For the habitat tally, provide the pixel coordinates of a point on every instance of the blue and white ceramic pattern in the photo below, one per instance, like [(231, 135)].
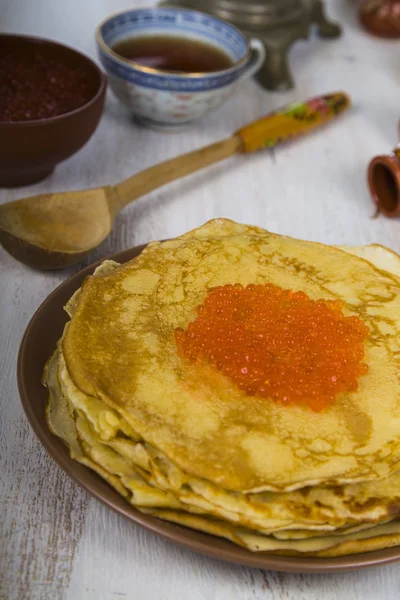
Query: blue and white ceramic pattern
[(166, 99)]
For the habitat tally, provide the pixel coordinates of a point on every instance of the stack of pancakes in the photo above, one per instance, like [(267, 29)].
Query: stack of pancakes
[(181, 441)]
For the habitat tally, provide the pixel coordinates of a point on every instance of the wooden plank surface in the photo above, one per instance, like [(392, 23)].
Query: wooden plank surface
[(56, 543)]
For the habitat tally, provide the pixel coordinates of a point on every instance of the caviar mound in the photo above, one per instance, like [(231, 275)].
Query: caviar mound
[(278, 344)]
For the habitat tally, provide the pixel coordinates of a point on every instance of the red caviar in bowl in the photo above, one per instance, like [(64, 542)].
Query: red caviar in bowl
[(278, 344), (35, 86)]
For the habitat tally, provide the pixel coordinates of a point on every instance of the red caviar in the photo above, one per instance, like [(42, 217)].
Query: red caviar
[(34, 86), (278, 344)]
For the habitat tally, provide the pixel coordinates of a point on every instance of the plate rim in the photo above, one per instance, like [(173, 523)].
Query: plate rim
[(178, 534)]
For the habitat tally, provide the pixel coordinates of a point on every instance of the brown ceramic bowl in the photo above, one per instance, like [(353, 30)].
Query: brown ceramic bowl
[(37, 345), (29, 150)]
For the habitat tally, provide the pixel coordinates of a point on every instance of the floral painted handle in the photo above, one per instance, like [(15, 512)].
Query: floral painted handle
[(292, 121)]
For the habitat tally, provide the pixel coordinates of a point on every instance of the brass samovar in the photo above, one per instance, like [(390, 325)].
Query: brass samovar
[(278, 23)]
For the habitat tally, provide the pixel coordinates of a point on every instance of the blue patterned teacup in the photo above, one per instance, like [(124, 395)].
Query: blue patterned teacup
[(169, 99)]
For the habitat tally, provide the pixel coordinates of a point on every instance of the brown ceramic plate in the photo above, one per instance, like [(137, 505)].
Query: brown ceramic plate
[(37, 345)]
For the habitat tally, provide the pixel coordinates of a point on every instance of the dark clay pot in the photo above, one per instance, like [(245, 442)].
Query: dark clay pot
[(384, 182), (381, 17), (29, 150)]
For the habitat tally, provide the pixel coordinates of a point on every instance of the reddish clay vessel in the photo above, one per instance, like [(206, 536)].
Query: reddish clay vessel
[(384, 182), (381, 17)]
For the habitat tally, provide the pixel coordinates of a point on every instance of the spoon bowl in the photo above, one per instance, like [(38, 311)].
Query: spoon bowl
[(36, 257), (49, 232)]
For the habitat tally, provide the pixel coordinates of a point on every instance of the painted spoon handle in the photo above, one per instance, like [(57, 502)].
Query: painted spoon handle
[(292, 121)]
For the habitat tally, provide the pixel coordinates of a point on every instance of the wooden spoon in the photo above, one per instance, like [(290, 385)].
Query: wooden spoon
[(53, 231)]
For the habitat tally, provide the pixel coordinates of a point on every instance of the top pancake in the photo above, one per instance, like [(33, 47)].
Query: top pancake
[(120, 347)]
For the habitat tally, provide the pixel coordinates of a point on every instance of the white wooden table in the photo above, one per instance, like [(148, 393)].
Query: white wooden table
[(56, 542)]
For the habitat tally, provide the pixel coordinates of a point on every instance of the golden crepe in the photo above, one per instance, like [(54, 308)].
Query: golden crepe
[(179, 438)]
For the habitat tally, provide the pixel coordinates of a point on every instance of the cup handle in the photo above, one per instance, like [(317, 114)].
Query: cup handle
[(256, 59)]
